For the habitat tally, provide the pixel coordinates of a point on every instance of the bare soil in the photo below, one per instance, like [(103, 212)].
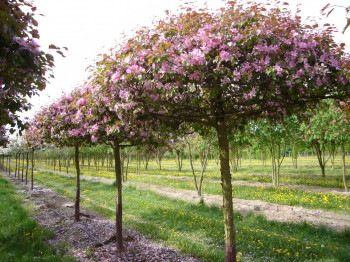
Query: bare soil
[(79, 239), (281, 213)]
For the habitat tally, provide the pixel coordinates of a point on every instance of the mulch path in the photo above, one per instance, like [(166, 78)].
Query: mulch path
[(79, 239)]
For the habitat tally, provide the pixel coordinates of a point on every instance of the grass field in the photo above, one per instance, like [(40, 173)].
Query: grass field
[(198, 229), (276, 195), (21, 238), (308, 172)]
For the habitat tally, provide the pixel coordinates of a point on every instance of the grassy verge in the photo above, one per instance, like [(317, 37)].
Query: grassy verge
[(198, 229), (21, 239)]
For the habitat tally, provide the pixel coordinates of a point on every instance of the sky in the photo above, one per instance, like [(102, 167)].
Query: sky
[(89, 27)]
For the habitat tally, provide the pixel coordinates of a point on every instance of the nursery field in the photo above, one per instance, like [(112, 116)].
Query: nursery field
[(197, 229), (308, 172)]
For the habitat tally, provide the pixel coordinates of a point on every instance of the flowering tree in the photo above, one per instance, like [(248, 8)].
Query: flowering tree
[(118, 131), (222, 69), (24, 68), (61, 124)]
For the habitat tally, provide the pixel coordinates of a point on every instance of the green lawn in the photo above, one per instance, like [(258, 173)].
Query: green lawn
[(198, 229), (21, 238)]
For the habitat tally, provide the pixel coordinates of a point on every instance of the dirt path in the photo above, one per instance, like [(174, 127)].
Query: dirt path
[(281, 213), (56, 212)]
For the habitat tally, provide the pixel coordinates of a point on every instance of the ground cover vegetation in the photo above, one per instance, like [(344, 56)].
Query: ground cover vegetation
[(21, 238), (197, 229)]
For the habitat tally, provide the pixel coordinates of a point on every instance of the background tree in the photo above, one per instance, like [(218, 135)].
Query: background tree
[(275, 137), (319, 133), (200, 144), (61, 124)]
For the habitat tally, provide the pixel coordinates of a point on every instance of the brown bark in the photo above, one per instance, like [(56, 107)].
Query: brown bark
[(77, 192), (9, 165), (27, 168), (32, 177), (16, 165), (227, 191), (22, 167), (191, 163), (119, 205)]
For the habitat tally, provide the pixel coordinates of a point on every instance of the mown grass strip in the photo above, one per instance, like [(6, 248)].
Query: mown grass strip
[(198, 229), (21, 238)]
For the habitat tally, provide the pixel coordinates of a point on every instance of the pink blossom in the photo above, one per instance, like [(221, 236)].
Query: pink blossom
[(196, 57), (278, 69), (124, 94), (115, 77), (154, 97), (318, 82), (93, 139), (94, 128), (237, 75), (195, 76), (106, 119), (81, 102), (225, 56), (135, 69)]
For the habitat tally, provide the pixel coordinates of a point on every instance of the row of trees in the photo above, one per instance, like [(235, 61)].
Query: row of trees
[(200, 71), (326, 132)]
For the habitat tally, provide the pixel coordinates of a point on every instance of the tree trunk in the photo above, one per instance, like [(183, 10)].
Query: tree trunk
[(127, 166), (9, 165), (344, 168), (77, 192), (178, 159), (16, 165), (32, 177), (119, 206), (191, 163), (227, 191), (323, 171), (27, 168), (202, 173), (23, 167)]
